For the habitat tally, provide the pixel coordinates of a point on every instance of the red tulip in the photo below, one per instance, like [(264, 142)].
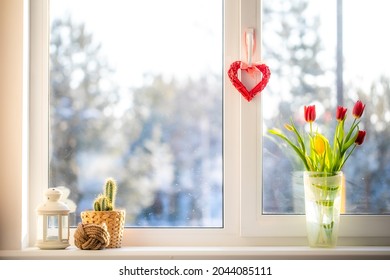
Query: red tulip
[(360, 138), (310, 113), (341, 113), (358, 109)]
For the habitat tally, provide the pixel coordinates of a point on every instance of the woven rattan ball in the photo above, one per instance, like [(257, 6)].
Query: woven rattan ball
[(91, 236)]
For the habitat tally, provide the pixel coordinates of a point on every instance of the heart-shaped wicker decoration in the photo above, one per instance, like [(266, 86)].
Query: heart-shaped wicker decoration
[(239, 65)]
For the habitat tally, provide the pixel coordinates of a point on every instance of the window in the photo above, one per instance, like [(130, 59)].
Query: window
[(316, 61), (244, 222), (304, 72), (212, 233), (138, 97)]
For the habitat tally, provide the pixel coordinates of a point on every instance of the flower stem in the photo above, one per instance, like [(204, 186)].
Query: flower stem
[(349, 154)]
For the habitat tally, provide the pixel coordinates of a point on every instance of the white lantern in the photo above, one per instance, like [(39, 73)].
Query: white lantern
[(53, 222)]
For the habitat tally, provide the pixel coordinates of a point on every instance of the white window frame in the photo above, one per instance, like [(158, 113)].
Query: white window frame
[(354, 229), (243, 222)]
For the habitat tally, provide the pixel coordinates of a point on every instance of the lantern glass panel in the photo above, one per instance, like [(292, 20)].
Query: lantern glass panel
[(65, 227), (52, 228)]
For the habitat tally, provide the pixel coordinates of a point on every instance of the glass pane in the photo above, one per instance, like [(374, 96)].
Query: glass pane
[(65, 227), (136, 94), (52, 228), (302, 47)]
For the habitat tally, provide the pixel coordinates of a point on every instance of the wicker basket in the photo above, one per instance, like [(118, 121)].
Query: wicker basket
[(115, 221)]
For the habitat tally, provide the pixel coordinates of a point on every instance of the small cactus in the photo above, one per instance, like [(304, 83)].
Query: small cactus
[(102, 203), (106, 201), (110, 191)]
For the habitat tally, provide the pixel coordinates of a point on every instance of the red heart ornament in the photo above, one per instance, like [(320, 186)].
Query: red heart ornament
[(232, 73)]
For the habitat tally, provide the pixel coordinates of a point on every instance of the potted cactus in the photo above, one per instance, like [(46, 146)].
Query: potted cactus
[(106, 201), (104, 211)]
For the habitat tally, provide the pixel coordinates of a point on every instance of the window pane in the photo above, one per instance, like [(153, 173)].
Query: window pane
[(136, 94), (300, 46)]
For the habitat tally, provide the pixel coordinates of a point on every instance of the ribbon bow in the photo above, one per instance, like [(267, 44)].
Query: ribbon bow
[(252, 70)]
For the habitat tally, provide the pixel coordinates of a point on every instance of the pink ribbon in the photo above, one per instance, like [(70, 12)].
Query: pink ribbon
[(251, 70)]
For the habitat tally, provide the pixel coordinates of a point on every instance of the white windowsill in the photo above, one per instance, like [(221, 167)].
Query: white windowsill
[(253, 252)]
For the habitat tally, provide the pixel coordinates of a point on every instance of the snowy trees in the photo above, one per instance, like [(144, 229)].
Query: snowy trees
[(80, 92), (303, 61), (162, 140)]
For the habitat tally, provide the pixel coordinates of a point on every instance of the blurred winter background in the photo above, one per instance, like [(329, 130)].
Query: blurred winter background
[(136, 94), (327, 53)]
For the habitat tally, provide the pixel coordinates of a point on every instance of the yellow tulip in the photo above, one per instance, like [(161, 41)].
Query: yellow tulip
[(319, 144)]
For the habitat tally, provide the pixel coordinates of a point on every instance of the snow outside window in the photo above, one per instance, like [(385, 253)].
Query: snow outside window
[(319, 58), (138, 97)]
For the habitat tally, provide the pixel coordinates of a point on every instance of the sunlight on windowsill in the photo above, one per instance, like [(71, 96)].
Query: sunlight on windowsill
[(249, 252)]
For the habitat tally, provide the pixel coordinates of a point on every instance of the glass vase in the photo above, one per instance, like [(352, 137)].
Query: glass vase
[(322, 207)]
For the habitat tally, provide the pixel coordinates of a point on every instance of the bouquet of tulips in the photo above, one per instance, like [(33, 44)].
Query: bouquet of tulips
[(315, 150)]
